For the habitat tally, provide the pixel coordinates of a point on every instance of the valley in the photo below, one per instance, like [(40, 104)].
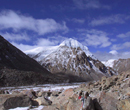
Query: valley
[(52, 77)]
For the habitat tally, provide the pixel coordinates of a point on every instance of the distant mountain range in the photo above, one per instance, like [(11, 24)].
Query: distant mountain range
[(71, 57), (120, 65)]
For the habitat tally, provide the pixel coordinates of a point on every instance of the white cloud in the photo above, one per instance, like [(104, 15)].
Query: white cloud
[(89, 4), (15, 36), (23, 47), (44, 42), (49, 41), (57, 39), (118, 18), (125, 45), (113, 52), (81, 21), (16, 21), (96, 38), (124, 35)]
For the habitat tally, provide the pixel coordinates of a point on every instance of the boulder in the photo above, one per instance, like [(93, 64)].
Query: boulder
[(29, 93), (107, 102), (43, 101), (88, 104), (53, 107), (63, 97), (13, 101), (74, 104)]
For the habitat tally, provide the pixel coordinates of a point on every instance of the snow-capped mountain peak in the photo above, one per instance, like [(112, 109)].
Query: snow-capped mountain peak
[(71, 43), (75, 44)]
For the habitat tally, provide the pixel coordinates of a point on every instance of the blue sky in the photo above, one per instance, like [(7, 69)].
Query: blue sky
[(102, 25)]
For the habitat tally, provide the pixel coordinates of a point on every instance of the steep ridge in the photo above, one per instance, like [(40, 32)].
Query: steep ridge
[(71, 57), (40, 53), (13, 58), (18, 69)]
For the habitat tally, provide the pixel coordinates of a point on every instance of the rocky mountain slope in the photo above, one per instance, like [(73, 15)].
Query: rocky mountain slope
[(120, 65), (13, 58), (16, 68), (71, 57)]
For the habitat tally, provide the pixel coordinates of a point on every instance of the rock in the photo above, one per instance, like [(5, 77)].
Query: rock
[(39, 93), (97, 106), (4, 92), (15, 92), (74, 104), (44, 94), (43, 101), (107, 83), (53, 107), (55, 93), (63, 97), (124, 104), (13, 101), (107, 102), (29, 93), (82, 85), (88, 104)]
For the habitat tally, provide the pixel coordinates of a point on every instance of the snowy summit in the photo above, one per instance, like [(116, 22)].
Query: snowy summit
[(75, 44)]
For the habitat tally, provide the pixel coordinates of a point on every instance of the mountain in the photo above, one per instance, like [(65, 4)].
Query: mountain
[(13, 58), (71, 57), (16, 68), (120, 65)]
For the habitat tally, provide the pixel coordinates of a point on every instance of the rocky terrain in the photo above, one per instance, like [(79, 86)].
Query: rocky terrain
[(109, 93)]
